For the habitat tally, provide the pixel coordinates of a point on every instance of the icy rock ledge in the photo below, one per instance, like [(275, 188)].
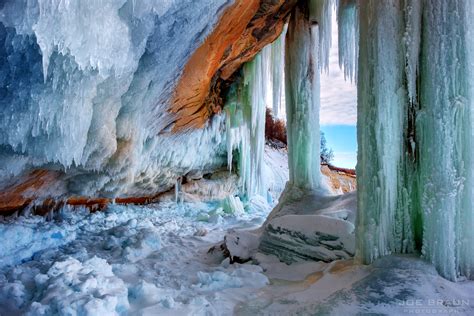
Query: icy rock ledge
[(294, 238), (309, 225)]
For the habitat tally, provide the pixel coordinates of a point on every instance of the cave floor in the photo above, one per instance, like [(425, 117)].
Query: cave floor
[(154, 260)]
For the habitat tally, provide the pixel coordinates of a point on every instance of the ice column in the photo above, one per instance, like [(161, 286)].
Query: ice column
[(415, 132), (446, 137), (381, 107), (302, 98)]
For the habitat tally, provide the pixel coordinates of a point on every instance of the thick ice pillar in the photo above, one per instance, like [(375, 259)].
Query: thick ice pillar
[(302, 98), (446, 137), (415, 132), (381, 107)]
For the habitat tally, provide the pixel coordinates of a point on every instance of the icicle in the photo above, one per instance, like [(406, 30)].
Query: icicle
[(278, 79), (412, 43), (415, 132), (177, 190), (348, 37), (246, 123), (320, 14), (380, 125)]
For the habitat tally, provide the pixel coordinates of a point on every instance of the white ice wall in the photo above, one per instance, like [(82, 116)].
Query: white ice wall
[(85, 88)]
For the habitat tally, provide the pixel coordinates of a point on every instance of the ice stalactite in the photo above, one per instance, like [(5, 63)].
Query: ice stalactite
[(101, 116), (415, 134), (348, 37), (278, 79), (320, 16), (246, 123)]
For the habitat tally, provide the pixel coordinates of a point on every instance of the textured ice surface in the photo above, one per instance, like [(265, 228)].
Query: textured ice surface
[(246, 123), (127, 260), (302, 65), (415, 136), (132, 259), (85, 87), (394, 285)]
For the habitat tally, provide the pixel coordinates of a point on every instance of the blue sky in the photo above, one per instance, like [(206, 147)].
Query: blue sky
[(343, 141), (339, 109)]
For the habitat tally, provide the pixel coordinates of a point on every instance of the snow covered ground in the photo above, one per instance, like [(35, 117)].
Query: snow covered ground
[(154, 260), (128, 259)]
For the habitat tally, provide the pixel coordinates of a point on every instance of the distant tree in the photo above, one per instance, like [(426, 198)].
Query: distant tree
[(327, 155), (275, 129)]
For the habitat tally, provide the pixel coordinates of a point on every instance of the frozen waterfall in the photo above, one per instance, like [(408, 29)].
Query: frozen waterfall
[(302, 100), (415, 135)]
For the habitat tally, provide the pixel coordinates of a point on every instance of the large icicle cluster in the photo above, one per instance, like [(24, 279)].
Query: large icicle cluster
[(415, 132), (246, 123), (85, 87), (348, 37), (307, 42)]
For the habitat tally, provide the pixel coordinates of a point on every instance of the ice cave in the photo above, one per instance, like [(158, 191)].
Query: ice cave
[(164, 157)]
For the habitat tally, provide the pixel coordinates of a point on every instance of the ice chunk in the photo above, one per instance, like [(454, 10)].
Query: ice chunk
[(91, 288), (245, 275), (233, 205)]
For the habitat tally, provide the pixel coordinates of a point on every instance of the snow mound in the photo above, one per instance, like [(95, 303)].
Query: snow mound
[(74, 288), (246, 275)]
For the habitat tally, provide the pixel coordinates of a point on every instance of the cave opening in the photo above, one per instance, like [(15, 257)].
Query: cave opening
[(174, 151)]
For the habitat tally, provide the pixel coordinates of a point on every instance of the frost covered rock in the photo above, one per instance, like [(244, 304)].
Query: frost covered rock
[(308, 237), (241, 245)]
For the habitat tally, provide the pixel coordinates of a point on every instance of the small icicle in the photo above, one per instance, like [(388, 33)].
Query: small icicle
[(177, 191)]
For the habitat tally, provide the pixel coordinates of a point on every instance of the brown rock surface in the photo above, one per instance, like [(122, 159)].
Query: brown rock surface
[(242, 31), (17, 195), (343, 180)]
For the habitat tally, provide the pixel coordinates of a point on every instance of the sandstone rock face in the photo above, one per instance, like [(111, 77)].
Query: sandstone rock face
[(341, 181), (243, 30)]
